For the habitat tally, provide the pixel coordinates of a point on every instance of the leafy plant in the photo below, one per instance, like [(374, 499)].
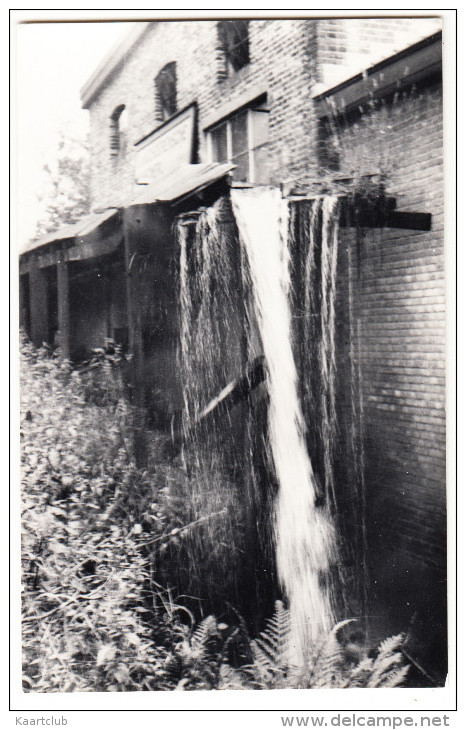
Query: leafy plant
[(328, 665), (66, 186), (203, 659), (99, 537), (86, 618)]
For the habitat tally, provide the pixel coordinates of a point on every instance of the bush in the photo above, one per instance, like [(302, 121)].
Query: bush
[(217, 656), (98, 536), (85, 612)]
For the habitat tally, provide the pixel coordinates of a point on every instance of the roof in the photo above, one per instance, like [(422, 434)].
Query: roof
[(186, 180), (82, 228), (410, 66)]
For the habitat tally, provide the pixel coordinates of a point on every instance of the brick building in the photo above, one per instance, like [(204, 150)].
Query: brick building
[(184, 110)]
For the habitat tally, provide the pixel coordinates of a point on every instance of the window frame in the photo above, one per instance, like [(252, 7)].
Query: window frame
[(163, 112), (251, 149), (117, 134), (228, 49)]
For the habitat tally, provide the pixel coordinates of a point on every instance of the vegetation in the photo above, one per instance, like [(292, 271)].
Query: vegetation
[(95, 534), (66, 186)]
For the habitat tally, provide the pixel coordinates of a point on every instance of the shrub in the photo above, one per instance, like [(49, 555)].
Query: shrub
[(204, 659), (85, 612), (99, 535)]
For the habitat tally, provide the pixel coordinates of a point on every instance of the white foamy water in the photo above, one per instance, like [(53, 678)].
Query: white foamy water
[(304, 534), (330, 229)]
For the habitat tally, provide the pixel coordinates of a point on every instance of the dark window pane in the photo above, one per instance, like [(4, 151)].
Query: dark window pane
[(219, 144), (165, 84), (239, 133), (234, 37), (118, 124), (241, 171)]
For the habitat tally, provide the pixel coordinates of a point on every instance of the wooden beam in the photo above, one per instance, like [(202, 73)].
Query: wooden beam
[(63, 294), (409, 221), (232, 394), (379, 212), (24, 304), (414, 65), (38, 304)]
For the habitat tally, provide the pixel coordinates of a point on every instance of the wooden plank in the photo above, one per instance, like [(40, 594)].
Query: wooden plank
[(411, 66), (232, 394), (409, 221), (63, 293), (38, 304)]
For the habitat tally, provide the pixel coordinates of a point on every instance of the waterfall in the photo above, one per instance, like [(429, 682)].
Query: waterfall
[(327, 343), (304, 535), (209, 321), (222, 565)]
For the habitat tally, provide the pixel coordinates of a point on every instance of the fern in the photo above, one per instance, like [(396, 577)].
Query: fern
[(271, 650), (202, 636), (230, 678), (395, 678), (328, 666), (359, 676), (194, 661), (201, 660), (390, 645)]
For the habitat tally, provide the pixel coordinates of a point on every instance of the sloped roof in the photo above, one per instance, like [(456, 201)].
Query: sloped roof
[(185, 180), (402, 70), (83, 227)]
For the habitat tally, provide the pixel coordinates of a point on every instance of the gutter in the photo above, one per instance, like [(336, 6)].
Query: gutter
[(418, 63)]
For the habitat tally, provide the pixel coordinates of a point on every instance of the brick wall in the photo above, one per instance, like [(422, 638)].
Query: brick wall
[(281, 54), (396, 275), (347, 46), (397, 279), (286, 59)]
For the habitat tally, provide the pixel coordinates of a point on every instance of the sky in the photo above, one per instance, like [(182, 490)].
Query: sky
[(53, 61)]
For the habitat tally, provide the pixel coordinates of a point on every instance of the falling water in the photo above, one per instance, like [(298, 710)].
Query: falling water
[(303, 532), (209, 341), (221, 562), (327, 343)]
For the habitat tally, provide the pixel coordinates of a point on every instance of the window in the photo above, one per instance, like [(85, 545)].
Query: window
[(242, 139), (118, 129), (165, 93), (233, 37)]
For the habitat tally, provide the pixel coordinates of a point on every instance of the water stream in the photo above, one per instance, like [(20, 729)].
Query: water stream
[(304, 535), (237, 301)]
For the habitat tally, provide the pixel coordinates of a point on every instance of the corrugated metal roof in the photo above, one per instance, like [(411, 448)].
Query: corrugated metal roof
[(185, 180), (84, 226)]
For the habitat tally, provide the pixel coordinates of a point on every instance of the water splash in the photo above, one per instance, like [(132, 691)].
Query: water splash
[(210, 327), (217, 450), (327, 343), (303, 532)]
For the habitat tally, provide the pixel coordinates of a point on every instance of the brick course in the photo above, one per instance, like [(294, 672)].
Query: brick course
[(397, 275), (286, 58)]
